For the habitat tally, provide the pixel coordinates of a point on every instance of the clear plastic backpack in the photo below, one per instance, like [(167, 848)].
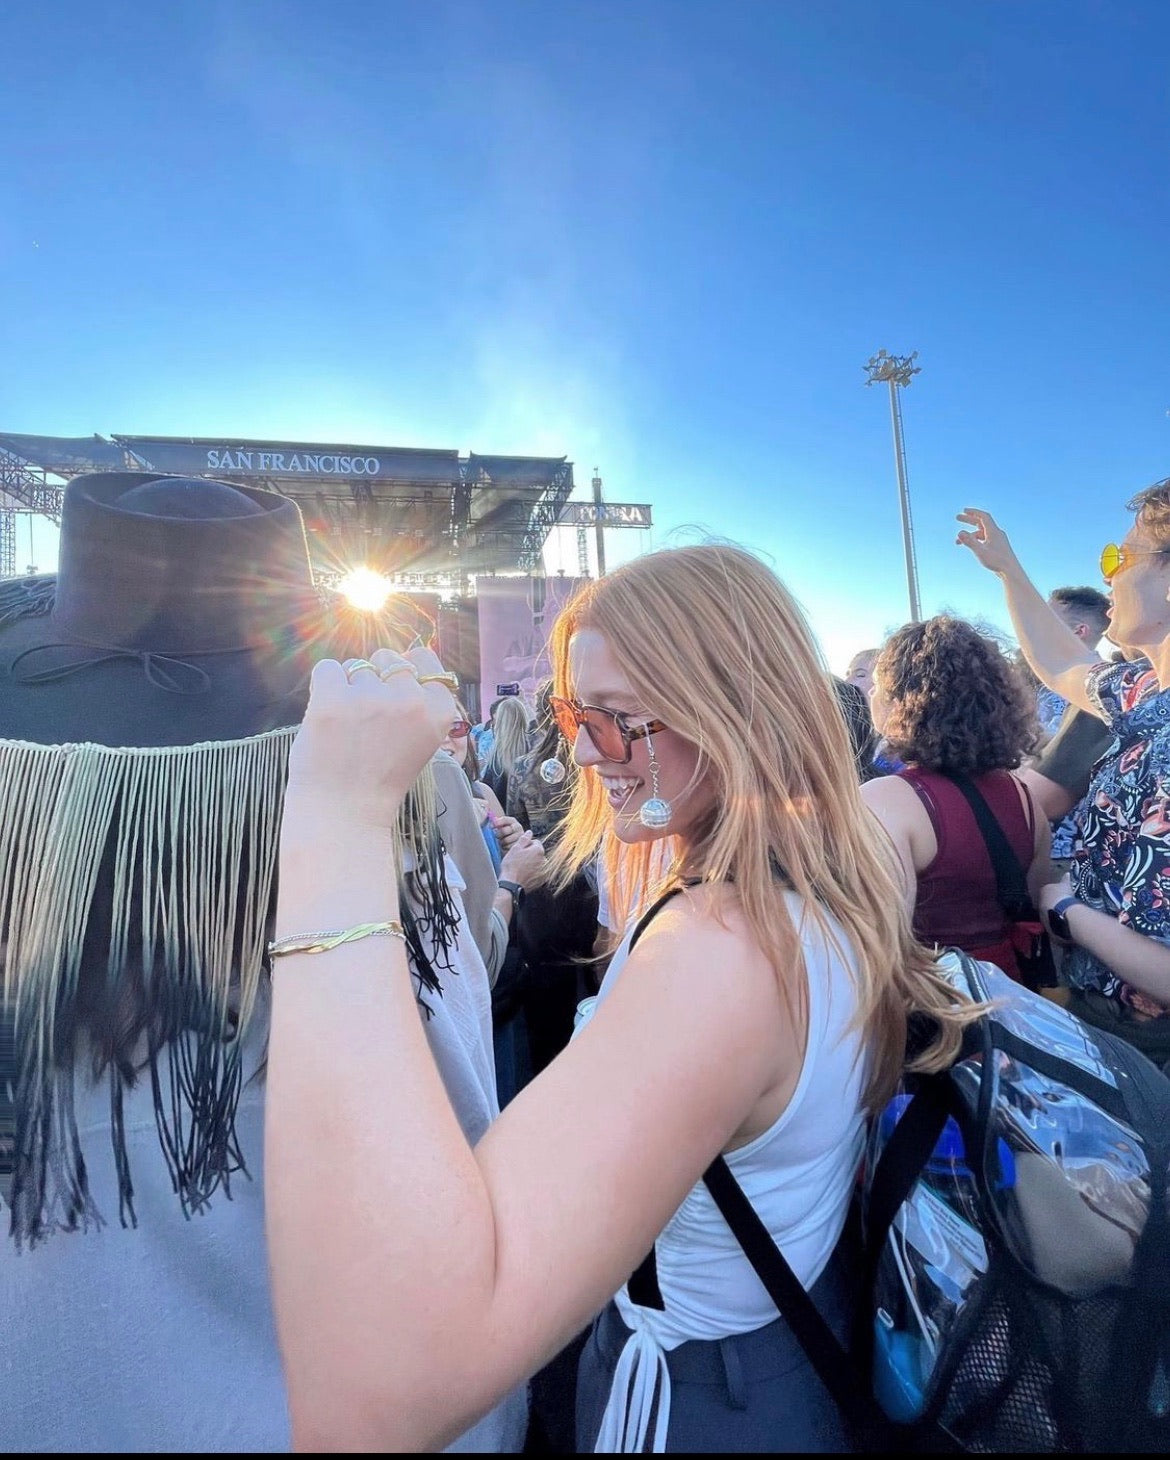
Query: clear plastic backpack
[(1014, 1285)]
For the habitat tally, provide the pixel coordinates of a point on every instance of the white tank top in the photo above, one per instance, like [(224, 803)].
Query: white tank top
[(798, 1175)]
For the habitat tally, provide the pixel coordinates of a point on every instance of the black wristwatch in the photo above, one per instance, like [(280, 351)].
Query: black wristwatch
[(1058, 921), (517, 893)]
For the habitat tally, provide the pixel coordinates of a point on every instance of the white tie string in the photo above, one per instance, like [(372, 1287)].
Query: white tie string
[(641, 1376)]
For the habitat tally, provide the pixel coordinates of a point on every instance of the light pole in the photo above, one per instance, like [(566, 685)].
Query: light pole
[(599, 504), (897, 371)]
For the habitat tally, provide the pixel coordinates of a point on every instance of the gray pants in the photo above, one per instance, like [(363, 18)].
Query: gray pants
[(756, 1392)]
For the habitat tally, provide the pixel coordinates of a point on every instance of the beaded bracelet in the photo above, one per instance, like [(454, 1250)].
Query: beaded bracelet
[(323, 942)]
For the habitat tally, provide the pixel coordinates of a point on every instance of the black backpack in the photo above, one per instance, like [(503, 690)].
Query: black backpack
[(1013, 1289)]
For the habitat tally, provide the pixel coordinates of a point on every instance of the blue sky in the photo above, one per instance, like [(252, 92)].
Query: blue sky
[(656, 235)]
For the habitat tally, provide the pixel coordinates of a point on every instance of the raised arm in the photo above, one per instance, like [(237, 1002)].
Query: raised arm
[(416, 1280), (1054, 652)]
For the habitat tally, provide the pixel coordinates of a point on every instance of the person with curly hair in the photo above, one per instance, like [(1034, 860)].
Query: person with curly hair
[(953, 710)]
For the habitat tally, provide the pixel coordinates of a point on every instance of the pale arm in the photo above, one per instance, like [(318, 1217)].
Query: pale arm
[(1140, 961), (490, 800), (1040, 870), (1053, 651), (416, 1281), (895, 805), (1050, 798)]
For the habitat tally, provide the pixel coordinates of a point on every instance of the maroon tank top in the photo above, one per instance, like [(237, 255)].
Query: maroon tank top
[(957, 904)]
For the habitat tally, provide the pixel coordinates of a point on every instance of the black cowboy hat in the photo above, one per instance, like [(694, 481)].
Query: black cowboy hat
[(149, 693), (182, 610)]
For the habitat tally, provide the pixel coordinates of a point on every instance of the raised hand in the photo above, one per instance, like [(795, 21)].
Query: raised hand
[(370, 728), (988, 541)]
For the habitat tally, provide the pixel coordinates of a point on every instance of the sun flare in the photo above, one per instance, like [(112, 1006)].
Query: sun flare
[(366, 589)]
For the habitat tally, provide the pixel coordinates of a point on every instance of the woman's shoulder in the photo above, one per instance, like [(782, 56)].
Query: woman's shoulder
[(665, 972), (704, 926), (894, 795), (707, 911)]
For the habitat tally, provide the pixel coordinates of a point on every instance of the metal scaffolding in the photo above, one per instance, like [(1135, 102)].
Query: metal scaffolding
[(429, 518), (24, 489), (7, 542), (424, 513)]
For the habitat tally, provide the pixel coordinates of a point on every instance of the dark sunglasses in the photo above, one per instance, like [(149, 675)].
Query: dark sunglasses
[(609, 730), (459, 729)]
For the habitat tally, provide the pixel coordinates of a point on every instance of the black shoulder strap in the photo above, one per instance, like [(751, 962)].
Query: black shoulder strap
[(846, 1383), (832, 1364), (846, 1379), (1010, 878), (656, 907)]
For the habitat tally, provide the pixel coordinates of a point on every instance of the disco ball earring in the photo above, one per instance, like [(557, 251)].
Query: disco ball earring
[(655, 812), (552, 771)]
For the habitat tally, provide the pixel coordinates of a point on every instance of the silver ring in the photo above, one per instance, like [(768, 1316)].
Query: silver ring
[(385, 674), (355, 666)]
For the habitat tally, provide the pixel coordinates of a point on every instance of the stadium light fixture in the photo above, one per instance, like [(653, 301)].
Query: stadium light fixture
[(897, 371)]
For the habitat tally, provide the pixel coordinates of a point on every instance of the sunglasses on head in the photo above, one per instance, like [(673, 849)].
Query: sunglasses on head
[(1115, 557), (459, 729), (610, 731)]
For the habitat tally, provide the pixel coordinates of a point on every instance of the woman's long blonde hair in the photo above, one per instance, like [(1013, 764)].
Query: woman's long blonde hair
[(509, 735), (714, 645)]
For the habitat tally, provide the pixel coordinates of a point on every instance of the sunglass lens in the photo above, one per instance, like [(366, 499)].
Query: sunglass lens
[(1110, 561), (460, 728), (566, 718), (607, 738)]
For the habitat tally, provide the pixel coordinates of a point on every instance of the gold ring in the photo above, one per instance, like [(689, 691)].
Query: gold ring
[(449, 679), (385, 674), (355, 666)]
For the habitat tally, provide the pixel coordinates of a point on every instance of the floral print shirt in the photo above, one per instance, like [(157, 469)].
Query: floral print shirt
[(1049, 708), (1121, 860)]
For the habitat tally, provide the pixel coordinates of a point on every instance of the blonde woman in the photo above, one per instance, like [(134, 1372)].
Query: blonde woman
[(511, 724), (761, 1014)]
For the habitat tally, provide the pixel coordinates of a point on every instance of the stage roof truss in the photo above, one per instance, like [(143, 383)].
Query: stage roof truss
[(464, 514)]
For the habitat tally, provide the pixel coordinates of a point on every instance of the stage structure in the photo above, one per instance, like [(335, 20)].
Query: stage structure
[(429, 517), (432, 522)]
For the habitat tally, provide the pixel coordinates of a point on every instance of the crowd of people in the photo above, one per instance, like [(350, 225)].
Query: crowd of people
[(363, 1064)]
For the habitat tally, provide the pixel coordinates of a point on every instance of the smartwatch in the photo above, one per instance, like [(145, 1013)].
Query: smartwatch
[(517, 893), (1058, 921)]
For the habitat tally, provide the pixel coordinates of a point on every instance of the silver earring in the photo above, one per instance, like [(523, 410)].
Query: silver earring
[(655, 812), (552, 772)]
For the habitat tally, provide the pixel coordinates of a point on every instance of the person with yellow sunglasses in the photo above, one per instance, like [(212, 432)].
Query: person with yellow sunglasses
[(1112, 911)]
